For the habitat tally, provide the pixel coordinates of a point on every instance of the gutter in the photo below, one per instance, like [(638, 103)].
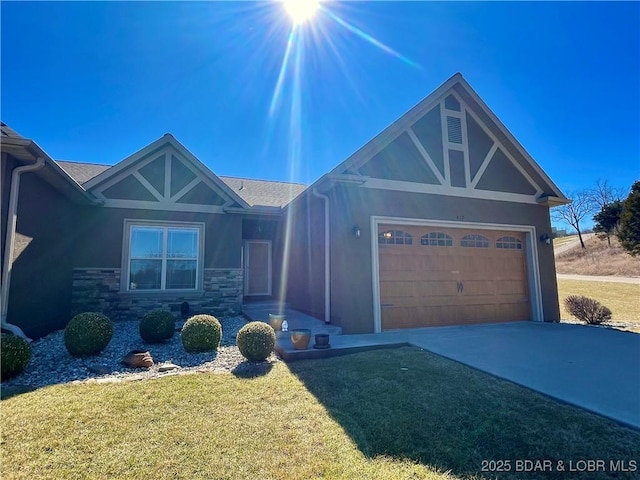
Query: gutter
[(12, 220), (327, 263)]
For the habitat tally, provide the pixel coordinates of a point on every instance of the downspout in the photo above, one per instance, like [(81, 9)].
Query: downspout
[(12, 221), (327, 257)]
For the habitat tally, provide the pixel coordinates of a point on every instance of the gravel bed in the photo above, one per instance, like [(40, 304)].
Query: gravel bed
[(51, 363)]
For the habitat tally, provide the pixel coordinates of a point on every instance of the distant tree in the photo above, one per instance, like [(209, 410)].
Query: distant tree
[(607, 220), (603, 194), (629, 230), (573, 213)]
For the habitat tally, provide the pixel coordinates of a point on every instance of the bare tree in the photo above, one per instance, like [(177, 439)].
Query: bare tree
[(573, 213), (603, 194)]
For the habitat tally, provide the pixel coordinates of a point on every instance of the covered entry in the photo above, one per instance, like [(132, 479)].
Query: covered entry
[(434, 276)]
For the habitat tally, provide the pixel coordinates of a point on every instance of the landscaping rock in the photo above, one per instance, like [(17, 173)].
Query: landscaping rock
[(167, 367), (99, 369), (51, 363)]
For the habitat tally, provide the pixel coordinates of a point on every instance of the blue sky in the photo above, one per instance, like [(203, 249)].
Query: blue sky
[(97, 81)]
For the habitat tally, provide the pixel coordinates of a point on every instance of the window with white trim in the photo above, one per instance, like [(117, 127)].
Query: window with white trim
[(475, 241), (395, 237), (509, 242), (163, 257), (437, 239)]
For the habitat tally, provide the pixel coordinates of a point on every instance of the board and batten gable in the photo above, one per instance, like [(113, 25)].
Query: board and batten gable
[(448, 162), (165, 192)]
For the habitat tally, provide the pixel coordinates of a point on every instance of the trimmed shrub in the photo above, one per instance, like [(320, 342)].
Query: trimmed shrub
[(587, 309), (201, 333), (88, 334), (256, 341), (157, 326), (15, 353)]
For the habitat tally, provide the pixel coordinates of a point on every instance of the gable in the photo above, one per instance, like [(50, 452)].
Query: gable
[(451, 150), (450, 144), (163, 176)]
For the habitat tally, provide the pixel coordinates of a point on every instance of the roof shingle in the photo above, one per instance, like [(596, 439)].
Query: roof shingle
[(82, 172), (264, 193)]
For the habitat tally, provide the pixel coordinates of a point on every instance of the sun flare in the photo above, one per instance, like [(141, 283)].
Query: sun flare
[(300, 11)]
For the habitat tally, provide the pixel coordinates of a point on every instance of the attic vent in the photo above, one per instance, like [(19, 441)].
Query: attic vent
[(454, 129)]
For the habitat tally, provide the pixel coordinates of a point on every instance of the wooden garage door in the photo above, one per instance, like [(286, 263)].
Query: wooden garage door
[(433, 276)]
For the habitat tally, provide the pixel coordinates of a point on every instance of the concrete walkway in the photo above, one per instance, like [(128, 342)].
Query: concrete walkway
[(565, 247), (599, 278), (594, 368)]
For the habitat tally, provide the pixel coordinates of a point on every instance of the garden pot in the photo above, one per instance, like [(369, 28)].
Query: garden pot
[(138, 359), (300, 338), (322, 341), (276, 321)]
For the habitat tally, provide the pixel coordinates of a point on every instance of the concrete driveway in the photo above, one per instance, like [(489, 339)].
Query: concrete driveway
[(595, 368)]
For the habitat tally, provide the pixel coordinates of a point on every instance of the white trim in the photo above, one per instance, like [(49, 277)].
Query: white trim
[(484, 164), (444, 132), (184, 190), (145, 183), (465, 144), (464, 84), (382, 139), (125, 272), (247, 265), (533, 271), (425, 155), (413, 187), (166, 145), (169, 207), (499, 144)]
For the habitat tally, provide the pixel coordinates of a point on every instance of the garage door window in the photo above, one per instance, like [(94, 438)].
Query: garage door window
[(509, 242), (474, 240), (395, 237), (436, 239)]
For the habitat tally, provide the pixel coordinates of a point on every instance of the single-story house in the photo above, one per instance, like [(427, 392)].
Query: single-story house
[(441, 219)]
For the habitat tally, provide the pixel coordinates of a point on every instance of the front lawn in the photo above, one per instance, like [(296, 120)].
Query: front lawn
[(400, 413), (621, 298)]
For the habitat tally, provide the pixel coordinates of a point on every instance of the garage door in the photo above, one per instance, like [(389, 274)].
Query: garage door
[(432, 276)]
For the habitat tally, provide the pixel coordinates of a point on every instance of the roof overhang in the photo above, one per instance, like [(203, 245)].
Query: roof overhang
[(26, 150), (551, 201)]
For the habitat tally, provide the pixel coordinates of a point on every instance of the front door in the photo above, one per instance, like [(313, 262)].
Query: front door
[(257, 269)]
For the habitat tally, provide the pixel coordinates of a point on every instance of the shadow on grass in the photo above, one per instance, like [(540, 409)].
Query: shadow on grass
[(12, 391), (408, 403), (248, 369)]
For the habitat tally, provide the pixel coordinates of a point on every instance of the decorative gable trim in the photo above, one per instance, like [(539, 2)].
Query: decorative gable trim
[(450, 99), (179, 182)]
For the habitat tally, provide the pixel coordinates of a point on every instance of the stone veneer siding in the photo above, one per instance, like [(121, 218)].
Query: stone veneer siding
[(98, 290)]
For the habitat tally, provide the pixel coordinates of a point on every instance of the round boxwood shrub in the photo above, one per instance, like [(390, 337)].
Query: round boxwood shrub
[(256, 341), (88, 334), (15, 354), (201, 333), (157, 326)]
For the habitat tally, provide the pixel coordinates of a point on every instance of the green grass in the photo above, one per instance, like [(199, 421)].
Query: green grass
[(394, 414), (620, 298)]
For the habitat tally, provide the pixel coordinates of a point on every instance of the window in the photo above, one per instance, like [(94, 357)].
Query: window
[(437, 239), (509, 242), (395, 237), (474, 240), (163, 257)]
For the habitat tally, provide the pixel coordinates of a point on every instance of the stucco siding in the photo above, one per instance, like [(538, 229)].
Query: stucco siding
[(305, 272), (101, 233), (351, 261), (40, 292)]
